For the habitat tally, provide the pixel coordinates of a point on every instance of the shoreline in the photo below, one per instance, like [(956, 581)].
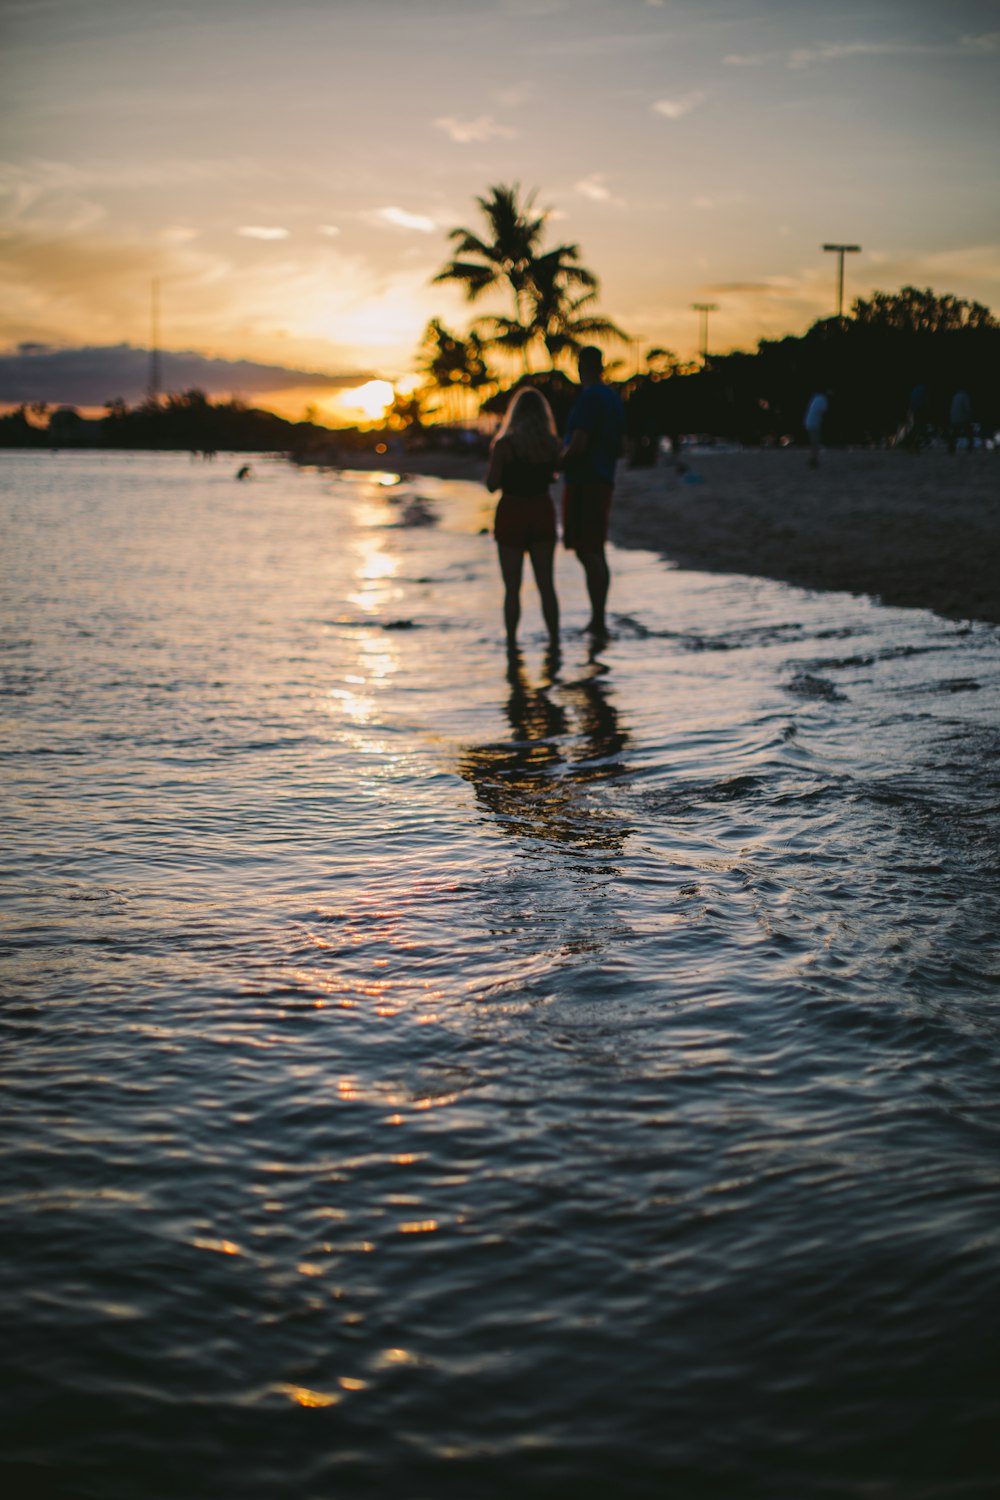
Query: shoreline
[(914, 530)]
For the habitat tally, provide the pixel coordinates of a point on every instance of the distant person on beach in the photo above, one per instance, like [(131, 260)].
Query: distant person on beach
[(676, 441), (813, 423), (916, 417), (960, 421), (522, 466), (593, 446)]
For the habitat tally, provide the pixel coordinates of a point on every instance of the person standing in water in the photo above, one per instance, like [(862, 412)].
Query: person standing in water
[(593, 446), (522, 466)]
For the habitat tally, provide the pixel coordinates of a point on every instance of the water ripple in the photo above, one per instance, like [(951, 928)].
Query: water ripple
[(433, 1074)]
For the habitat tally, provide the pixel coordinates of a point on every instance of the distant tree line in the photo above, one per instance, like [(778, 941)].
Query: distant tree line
[(185, 420), (869, 363)]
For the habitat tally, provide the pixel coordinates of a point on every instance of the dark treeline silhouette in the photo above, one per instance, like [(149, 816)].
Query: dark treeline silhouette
[(186, 420), (869, 362)]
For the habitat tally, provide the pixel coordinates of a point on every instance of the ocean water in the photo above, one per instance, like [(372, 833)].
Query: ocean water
[(427, 1075)]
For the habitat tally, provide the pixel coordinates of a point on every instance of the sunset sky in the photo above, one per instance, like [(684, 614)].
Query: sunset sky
[(289, 172)]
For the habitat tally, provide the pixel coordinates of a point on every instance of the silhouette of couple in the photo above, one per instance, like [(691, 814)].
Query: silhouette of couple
[(523, 459)]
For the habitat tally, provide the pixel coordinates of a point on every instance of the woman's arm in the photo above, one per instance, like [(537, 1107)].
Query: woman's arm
[(494, 469)]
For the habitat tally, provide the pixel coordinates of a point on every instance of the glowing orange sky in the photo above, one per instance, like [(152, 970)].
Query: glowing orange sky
[(289, 174)]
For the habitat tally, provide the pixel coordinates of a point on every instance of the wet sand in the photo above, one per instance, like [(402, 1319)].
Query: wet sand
[(920, 530)]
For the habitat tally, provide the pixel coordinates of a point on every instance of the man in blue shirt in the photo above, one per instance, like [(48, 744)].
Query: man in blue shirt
[(593, 445)]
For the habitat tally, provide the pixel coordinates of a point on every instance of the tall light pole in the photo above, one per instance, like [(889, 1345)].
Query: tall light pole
[(154, 352), (840, 251), (704, 308)]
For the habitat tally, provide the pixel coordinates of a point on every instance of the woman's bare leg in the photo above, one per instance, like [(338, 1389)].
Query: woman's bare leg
[(542, 555), (511, 567)]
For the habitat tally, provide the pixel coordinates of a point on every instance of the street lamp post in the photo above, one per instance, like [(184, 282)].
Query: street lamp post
[(840, 251), (704, 308)]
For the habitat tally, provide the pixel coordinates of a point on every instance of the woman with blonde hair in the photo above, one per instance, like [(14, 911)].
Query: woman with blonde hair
[(522, 466)]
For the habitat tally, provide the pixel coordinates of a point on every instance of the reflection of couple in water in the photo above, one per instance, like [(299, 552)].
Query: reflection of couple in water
[(524, 457), (564, 738)]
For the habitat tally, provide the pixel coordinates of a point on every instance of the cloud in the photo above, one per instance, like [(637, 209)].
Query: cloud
[(830, 52), (803, 57), (89, 376), (719, 200), (55, 190), (482, 128), (675, 109), (52, 282), (403, 220), (595, 188), (989, 41), (330, 230), (262, 232), (966, 271), (534, 7), (514, 96), (770, 287), (179, 234)]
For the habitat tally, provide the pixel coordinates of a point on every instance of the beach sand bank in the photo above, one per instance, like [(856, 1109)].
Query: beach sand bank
[(920, 530)]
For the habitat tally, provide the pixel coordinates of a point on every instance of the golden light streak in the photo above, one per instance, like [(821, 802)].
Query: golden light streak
[(303, 1396), (390, 1357)]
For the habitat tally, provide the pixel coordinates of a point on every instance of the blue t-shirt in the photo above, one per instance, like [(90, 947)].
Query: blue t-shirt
[(599, 413)]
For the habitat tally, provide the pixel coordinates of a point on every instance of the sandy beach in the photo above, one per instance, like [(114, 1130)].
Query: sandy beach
[(920, 530)]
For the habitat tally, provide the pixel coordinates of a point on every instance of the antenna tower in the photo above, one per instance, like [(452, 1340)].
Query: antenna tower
[(154, 349)]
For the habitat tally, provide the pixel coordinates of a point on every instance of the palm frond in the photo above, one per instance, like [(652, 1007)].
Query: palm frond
[(476, 278)]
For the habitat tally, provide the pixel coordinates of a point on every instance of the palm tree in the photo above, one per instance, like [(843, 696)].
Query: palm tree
[(511, 255), (454, 364), (507, 253), (562, 322), (557, 317)]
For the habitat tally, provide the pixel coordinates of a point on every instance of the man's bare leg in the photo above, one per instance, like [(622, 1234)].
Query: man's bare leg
[(598, 575)]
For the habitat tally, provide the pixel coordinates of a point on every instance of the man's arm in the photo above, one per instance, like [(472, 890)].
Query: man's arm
[(575, 448), (583, 418)]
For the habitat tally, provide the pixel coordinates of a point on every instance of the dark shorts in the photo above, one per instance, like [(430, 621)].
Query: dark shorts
[(586, 508), (524, 521)]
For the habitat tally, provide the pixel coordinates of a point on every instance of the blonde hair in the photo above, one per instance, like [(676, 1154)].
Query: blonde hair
[(529, 427)]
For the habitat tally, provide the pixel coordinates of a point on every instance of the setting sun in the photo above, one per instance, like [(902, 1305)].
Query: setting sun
[(369, 401)]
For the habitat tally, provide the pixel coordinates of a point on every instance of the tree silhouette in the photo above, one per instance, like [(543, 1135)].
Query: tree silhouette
[(507, 253), (911, 310), (559, 317), (453, 364), (555, 318), (510, 255)]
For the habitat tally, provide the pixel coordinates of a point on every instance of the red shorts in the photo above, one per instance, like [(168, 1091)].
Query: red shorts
[(586, 508), (524, 520)]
